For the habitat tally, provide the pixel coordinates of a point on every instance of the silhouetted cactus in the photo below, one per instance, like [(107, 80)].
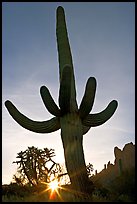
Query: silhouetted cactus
[(73, 121)]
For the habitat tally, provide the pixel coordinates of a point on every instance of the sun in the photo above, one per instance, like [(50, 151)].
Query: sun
[(53, 185)]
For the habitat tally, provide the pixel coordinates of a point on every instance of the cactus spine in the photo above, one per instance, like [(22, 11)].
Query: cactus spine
[(74, 122)]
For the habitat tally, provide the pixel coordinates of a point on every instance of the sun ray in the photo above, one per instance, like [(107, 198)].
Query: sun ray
[(58, 192)]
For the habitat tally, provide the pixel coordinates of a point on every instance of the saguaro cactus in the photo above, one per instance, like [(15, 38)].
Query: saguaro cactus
[(74, 122)]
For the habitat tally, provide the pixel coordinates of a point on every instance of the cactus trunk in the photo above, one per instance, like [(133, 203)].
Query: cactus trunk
[(71, 124), (72, 139)]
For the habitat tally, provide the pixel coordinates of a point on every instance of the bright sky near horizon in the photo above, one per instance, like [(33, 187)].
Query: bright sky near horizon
[(102, 39)]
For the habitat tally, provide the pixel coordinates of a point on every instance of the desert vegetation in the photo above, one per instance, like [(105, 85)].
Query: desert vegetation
[(53, 183), (122, 189), (39, 178)]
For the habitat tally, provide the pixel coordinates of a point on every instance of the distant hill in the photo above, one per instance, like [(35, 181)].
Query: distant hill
[(124, 162)]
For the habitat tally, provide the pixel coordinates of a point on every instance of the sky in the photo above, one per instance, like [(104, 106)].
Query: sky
[(102, 40)]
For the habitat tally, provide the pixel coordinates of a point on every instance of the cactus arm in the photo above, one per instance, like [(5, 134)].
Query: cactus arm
[(49, 102), (64, 54), (93, 120), (85, 129), (88, 98), (34, 126), (65, 90)]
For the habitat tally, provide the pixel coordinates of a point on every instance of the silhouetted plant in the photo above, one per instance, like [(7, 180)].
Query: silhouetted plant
[(89, 168), (74, 122), (33, 166), (14, 190)]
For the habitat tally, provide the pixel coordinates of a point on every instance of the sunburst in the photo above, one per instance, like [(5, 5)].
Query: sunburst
[(53, 189), (53, 185)]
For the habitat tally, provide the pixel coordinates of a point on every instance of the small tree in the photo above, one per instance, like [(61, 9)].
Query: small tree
[(33, 166), (89, 168)]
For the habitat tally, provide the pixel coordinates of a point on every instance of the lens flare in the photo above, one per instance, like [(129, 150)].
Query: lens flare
[(53, 185)]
